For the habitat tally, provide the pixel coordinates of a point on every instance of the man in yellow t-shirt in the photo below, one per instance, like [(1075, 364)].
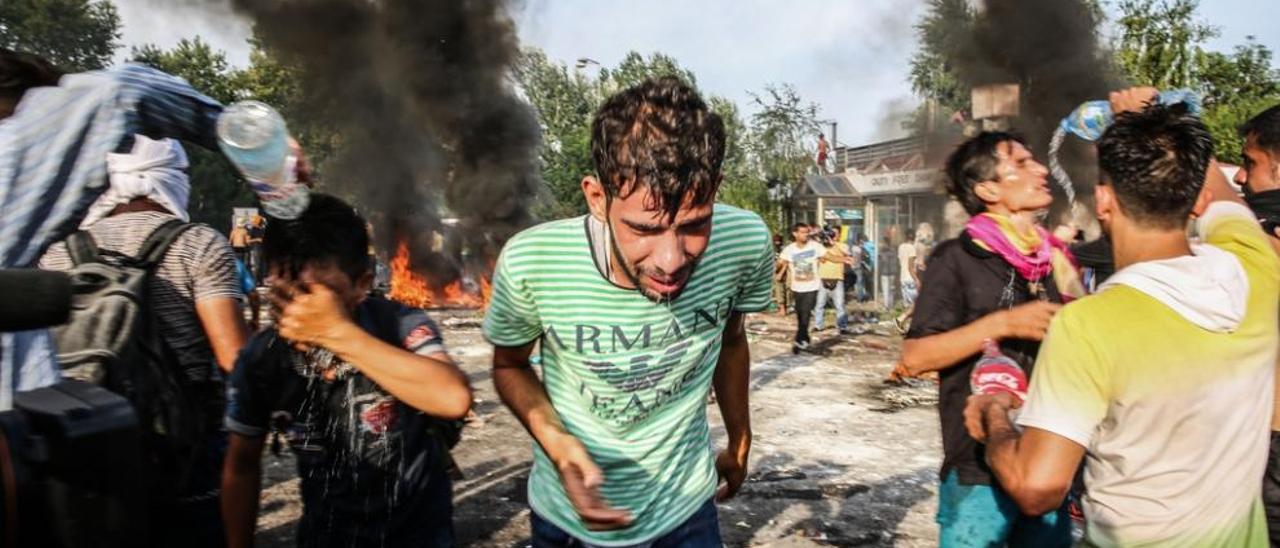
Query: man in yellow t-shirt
[(1162, 382), (831, 271)]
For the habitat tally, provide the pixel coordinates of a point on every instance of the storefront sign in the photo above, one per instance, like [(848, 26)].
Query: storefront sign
[(894, 182), (843, 214)]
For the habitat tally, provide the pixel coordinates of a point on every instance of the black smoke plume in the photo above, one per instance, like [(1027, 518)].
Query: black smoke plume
[(1052, 49), (420, 95)]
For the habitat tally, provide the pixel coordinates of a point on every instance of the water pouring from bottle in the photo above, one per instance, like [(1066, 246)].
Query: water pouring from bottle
[(1090, 120), (256, 140)]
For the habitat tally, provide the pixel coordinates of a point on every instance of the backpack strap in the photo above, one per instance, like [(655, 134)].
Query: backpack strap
[(157, 244), (82, 248)]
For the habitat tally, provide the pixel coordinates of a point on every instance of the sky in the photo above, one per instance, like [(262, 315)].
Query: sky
[(850, 57)]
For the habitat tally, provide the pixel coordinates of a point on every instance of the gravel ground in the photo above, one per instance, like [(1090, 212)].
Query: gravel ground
[(839, 458)]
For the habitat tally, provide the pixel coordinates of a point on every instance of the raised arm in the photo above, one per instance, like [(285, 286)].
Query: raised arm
[(431, 383)]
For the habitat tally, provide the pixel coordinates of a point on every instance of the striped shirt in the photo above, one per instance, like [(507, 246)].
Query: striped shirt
[(53, 165), (198, 266), (628, 377)]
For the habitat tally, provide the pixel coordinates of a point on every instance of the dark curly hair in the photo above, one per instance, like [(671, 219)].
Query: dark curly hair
[(973, 162), (329, 230), (659, 134), (1156, 161), (1265, 129)]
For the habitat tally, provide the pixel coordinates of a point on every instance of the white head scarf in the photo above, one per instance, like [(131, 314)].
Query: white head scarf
[(152, 170)]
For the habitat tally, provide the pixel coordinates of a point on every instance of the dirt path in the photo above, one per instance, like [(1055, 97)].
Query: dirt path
[(839, 457)]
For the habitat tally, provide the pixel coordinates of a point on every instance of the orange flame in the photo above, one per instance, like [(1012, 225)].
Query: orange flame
[(486, 290), (412, 289)]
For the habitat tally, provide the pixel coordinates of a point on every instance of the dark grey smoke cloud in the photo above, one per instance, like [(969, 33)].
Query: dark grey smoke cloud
[(1052, 49), (421, 96)]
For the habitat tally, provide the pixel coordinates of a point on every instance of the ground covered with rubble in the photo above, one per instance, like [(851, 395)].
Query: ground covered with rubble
[(840, 458)]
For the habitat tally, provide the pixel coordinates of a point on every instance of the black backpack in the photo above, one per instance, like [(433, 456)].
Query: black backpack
[(112, 340)]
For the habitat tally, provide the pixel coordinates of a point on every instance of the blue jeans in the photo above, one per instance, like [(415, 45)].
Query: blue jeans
[(983, 515), (701, 530), (837, 296), (860, 285)]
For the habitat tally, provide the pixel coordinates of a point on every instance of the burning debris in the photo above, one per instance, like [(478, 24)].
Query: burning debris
[(414, 289)]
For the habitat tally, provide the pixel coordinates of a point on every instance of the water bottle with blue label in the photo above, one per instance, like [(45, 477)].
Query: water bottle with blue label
[(1091, 119), (255, 139)]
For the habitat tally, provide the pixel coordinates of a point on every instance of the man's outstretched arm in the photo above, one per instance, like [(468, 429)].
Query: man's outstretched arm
[(1035, 467), (1027, 321)]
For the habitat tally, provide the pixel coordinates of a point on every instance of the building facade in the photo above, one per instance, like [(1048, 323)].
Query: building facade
[(879, 191)]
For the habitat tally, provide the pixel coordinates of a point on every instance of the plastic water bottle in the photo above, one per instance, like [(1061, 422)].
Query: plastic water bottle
[(1091, 119), (254, 137)]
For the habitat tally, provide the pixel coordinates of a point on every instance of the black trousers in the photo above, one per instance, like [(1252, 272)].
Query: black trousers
[(805, 302), (1271, 490)]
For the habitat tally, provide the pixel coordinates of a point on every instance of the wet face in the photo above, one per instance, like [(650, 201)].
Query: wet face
[(350, 292), (1021, 184), (1260, 171), (654, 252)]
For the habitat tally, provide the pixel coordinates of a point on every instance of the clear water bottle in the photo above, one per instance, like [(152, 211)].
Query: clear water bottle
[(254, 137), (1091, 119)]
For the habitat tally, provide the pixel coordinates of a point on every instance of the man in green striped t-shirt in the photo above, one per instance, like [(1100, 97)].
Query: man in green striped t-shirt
[(636, 311)]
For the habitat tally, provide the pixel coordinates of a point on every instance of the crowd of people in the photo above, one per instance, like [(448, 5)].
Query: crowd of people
[(823, 265), (1143, 400)]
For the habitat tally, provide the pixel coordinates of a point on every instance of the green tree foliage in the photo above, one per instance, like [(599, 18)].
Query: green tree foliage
[(1161, 43), (1237, 87), (566, 100), (635, 68), (742, 186), (215, 186), (196, 62), (76, 35), (944, 28), (781, 140)]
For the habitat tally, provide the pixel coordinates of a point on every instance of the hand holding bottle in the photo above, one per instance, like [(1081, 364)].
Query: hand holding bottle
[(255, 139)]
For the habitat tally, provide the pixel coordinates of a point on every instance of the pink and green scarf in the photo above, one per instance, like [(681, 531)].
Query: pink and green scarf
[(1034, 254)]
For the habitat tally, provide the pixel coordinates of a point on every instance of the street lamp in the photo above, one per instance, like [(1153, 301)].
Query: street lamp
[(584, 61)]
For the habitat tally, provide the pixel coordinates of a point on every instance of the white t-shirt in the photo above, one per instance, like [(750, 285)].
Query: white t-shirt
[(804, 265), (906, 260)]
